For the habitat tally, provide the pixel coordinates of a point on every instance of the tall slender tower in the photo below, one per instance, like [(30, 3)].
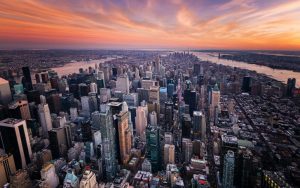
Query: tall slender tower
[(228, 170), (141, 121), (45, 118), (153, 147), (215, 102), (124, 136), (108, 134), (27, 78)]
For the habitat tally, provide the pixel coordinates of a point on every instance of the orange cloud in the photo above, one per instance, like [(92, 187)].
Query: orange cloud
[(239, 24)]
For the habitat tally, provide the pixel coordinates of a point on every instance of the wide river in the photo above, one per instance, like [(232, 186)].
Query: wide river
[(73, 67), (278, 74)]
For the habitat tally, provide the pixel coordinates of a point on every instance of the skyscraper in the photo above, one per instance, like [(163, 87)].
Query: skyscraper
[(124, 136), (215, 102), (153, 147), (15, 140), (228, 170), (199, 125), (154, 94), (45, 118), (291, 84), (153, 118), (123, 84), (19, 110), (141, 121), (7, 168), (169, 110), (108, 134), (187, 149), (60, 141), (169, 154), (246, 84), (163, 95), (27, 78), (5, 93), (93, 87)]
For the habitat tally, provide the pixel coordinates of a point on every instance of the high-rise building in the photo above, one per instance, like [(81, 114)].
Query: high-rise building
[(228, 170), (88, 180), (131, 99), (186, 125), (187, 149), (85, 104), (163, 95), (141, 121), (19, 110), (54, 102), (190, 98), (123, 84), (154, 94), (170, 89), (143, 94), (49, 176), (169, 154), (7, 168), (246, 87), (124, 136), (244, 169), (291, 85), (86, 131), (228, 142), (153, 118), (104, 95), (73, 114), (27, 82), (93, 87), (199, 125), (169, 111), (215, 102), (147, 84), (83, 89), (93, 102), (5, 93), (168, 137), (45, 118), (15, 140), (108, 142), (153, 147), (60, 141)]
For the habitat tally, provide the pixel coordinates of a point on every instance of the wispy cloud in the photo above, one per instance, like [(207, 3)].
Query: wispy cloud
[(235, 24)]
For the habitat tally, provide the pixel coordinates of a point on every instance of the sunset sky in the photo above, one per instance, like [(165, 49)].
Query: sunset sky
[(202, 24)]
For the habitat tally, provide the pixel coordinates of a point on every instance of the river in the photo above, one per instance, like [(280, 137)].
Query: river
[(277, 74), (73, 67)]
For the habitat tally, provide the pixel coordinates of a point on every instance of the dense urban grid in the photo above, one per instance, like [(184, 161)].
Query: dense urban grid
[(146, 119)]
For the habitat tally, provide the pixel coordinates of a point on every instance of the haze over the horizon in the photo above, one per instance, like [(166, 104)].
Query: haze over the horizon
[(212, 24)]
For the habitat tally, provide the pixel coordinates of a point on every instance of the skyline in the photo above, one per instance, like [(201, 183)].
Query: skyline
[(220, 24)]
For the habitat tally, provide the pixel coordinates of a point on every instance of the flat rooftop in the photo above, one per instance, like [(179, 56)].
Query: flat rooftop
[(3, 81), (10, 122)]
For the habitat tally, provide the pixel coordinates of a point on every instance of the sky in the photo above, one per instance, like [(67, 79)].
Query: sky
[(148, 24)]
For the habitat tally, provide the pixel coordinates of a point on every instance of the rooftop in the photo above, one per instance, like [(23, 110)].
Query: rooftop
[(3, 81), (10, 122)]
